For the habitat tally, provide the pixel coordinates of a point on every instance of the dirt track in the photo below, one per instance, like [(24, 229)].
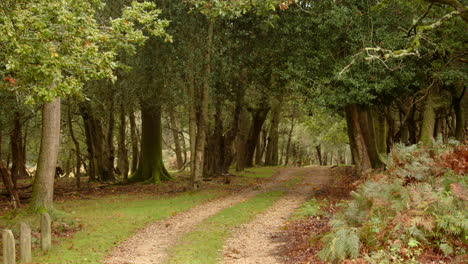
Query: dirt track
[(251, 243)]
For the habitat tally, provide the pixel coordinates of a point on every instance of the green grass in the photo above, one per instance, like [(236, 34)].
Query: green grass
[(257, 172), (108, 221), (312, 207), (204, 243)]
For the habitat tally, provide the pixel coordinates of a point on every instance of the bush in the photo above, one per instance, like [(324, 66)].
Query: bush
[(420, 201)]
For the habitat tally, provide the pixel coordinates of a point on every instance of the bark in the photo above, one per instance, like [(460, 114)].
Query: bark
[(319, 154), (380, 130), (271, 156), (357, 141), (288, 145), (258, 119), (9, 185), (214, 151), (43, 187), (77, 150), (429, 119), (134, 139), (99, 145), (18, 150), (151, 168), (244, 124), (175, 136), (1, 142), (109, 144), (123, 152), (202, 117), (261, 146), (460, 118), (192, 121)]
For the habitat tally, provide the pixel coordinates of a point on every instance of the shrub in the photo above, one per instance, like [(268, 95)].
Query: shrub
[(420, 201)]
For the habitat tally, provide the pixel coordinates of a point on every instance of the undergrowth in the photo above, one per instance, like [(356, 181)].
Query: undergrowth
[(420, 202)]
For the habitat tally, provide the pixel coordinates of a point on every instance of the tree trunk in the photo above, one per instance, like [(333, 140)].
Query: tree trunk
[(202, 120), (18, 150), (192, 121), (288, 145), (151, 167), (429, 119), (43, 187), (122, 163), (319, 154), (77, 151), (380, 131), (214, 151), (271, 156), (258, 119), (134, 139), (243, 126), (99, 151), (261, 146), (109, 147), (175, 136), (357, 140), (9, 185), (460, 118)]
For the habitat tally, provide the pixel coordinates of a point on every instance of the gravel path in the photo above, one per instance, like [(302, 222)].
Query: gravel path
[(254, 242), (149, 246)]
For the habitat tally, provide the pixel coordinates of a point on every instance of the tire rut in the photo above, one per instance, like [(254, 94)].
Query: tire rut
[(254, 242), (150, 245)]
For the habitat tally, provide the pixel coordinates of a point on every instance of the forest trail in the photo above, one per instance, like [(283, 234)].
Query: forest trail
[(254, 242), (251, 243)]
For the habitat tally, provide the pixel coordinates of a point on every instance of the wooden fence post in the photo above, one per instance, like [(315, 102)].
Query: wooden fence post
[(9, 254), (25, 243), (46, 230)]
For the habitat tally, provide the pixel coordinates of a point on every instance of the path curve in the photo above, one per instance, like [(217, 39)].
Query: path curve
[(254, 242), (150, 245)]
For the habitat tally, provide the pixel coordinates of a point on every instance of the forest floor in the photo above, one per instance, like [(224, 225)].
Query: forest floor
[(253, 242)]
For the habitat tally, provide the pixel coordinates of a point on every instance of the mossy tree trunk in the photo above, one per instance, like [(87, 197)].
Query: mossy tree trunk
[(357, 139), (151, 167), (429, 119), (380, 130), (43, 187)]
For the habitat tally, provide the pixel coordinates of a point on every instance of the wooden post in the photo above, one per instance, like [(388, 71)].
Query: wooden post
[(9, 254), (25, 243), (46, 230)]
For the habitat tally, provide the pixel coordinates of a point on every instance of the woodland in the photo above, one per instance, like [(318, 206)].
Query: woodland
[(192, 100)]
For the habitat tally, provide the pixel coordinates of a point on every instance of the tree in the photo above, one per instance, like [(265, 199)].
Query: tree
[(50, 49)]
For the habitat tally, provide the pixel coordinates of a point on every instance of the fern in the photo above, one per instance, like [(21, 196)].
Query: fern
[(413, 205), (341, 244)]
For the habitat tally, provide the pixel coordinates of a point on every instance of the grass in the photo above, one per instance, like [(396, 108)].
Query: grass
[(312, 207), (107, 221), (257, 172), (204, 243)]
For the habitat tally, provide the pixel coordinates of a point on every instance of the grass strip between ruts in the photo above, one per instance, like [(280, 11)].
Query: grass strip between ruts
[(203, 245), (110, 220)]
